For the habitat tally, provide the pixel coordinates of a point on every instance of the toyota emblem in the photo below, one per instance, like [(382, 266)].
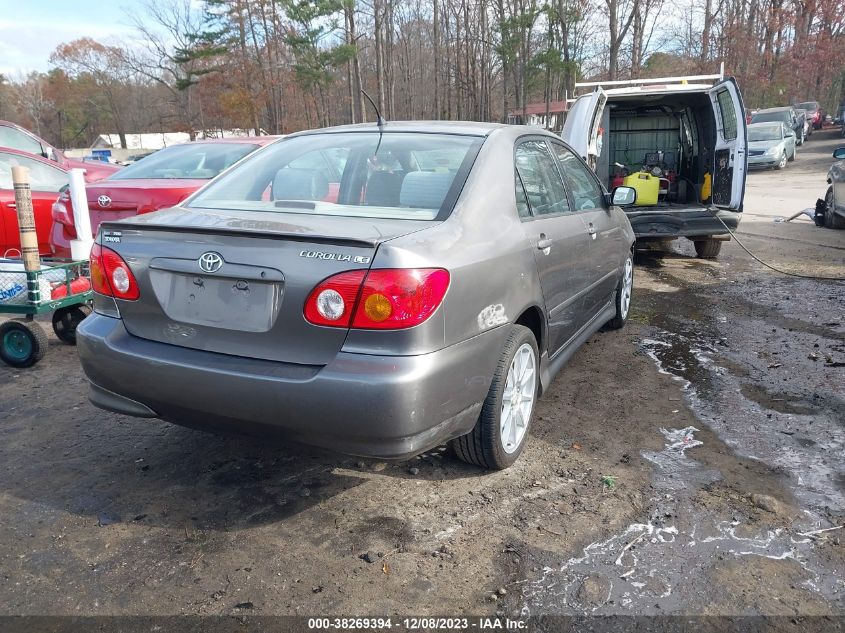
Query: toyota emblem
[(210, 262), (104, 201)]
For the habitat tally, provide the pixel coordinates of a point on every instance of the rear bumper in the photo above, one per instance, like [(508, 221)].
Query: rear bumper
[(377, 406), (660, 222)]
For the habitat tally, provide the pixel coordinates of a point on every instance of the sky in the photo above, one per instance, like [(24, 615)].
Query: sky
[(30, 30)]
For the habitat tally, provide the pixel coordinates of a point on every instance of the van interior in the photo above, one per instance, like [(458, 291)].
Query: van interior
[(669, 137)]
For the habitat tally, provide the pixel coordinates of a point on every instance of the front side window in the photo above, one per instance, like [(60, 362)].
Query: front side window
[(201, 161), (10, 137), (41, 177), (540, 178), (586, 193), (393, 175)]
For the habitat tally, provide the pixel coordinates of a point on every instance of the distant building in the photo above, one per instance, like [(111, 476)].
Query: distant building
[(535, 114), (156, 140)]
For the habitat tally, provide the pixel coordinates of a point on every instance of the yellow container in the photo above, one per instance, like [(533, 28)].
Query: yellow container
[(647, 186)]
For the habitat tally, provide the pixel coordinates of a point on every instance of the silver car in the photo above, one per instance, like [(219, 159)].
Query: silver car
[(377, 290), (834, 198), (770, 145)]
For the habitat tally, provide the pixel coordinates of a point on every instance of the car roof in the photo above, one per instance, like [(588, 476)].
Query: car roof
[(766, 123), (777, 109), (467, 128)]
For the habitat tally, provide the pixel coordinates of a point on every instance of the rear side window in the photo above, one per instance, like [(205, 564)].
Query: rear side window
[(726, 109), (540, 178), (586, 193)]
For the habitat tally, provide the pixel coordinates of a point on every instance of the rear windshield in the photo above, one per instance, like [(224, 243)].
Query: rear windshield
[(193, 160), (396, 175), (765, 133), (810, 106), (765, 117)]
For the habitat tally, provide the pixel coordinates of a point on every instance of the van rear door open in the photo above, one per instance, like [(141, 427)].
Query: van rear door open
[(581, 128), (729, 155)]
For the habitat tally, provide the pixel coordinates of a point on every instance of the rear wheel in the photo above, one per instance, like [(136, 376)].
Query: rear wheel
[(22, 343), (708, 249), (831, 219), (792, 157), (624, 290), (66, 320), (499, 435)]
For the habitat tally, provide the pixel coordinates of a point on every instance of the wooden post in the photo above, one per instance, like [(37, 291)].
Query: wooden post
[(29, 239)]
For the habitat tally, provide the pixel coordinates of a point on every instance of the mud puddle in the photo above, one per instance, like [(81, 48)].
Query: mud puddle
[(752, 382)]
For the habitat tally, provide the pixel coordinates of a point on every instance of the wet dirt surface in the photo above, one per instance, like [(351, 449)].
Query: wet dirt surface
[(692, 463)]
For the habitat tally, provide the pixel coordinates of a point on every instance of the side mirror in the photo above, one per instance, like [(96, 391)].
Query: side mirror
[(839, 153), (625, 196)]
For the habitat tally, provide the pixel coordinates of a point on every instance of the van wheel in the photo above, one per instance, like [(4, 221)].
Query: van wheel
[(782, 163), (624, 290), (831, 219), (708, 249), (499, 435)]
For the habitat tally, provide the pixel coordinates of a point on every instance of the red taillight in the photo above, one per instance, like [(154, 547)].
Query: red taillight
[(388, 299), (111, 275), (63, 216), (332, 301)]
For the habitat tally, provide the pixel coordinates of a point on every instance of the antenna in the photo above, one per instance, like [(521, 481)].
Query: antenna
[(380, 121)]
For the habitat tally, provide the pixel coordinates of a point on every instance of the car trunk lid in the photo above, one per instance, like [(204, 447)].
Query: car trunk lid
[(236, 282)]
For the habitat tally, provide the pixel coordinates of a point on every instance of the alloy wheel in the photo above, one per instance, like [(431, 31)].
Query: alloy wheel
[(518, 399)]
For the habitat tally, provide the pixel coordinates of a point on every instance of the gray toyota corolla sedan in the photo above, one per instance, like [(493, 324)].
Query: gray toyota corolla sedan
[(373, 290)]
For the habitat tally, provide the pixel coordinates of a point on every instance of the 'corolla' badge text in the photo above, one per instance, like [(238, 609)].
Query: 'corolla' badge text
[(338, 257)]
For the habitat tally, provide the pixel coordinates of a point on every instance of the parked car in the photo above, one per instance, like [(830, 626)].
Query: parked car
[(816, 112), (689, 136), (160, 180), (770, 145), (787, 115), (46, 179), (16, 137), (380, 324), (834, 217), (806, 119)]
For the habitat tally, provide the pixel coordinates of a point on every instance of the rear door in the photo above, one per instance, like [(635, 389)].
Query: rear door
[(558, 237), (581, 129), (730, 152)]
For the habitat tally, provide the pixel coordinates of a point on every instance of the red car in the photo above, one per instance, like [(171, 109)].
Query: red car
[(160, 180), (47, 179), (16, 137)]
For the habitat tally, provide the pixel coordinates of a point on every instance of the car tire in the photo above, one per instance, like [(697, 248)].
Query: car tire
[(485, 446), (792, 158), (22, 343), (800, 140), (66, 320), (624, 292), (782, 163), (708, 249), (831, 219)]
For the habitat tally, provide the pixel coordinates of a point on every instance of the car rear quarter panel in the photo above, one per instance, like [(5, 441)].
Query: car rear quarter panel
[(483, 246)]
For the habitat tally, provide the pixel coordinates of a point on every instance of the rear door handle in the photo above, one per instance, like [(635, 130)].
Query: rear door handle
[(11, 205)]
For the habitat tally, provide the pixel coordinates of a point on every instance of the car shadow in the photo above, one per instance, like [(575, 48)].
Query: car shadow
[(116, 469)]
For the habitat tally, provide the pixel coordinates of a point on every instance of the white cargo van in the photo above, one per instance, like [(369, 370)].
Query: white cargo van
[(688, 133)]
